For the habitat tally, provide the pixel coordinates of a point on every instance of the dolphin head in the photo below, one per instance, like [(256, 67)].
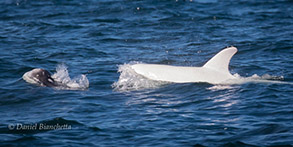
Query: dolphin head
[(39, 76)]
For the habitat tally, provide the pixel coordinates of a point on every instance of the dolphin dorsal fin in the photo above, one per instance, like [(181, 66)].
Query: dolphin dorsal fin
[(221, 60)]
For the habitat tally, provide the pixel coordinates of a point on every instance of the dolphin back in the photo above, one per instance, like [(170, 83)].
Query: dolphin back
[(214, 71)]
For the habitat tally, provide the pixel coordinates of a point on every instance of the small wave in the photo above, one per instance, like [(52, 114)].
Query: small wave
[(129, 80), (62, 76), (61, 121)]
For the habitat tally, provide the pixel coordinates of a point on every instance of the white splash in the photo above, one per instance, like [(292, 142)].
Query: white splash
[(266, 78), (62, 76), (129, 80), (220, 87)]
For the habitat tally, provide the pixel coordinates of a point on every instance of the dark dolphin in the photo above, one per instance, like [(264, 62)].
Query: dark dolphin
[(41, 77)]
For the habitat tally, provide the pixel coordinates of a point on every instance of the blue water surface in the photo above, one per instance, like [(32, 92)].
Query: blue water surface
[(94, 37)]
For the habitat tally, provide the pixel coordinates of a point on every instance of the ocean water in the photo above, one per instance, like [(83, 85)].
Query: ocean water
[(101, 38)]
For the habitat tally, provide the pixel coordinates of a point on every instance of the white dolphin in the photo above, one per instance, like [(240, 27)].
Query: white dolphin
[(215, 71)]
